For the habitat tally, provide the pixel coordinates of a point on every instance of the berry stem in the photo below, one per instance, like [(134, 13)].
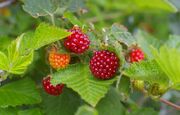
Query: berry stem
[(119, 79), (177, 107)]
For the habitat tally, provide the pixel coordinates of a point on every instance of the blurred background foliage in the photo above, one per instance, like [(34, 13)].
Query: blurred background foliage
[(156, 17)]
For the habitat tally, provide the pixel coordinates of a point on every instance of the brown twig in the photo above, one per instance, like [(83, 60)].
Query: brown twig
[(177, 107)]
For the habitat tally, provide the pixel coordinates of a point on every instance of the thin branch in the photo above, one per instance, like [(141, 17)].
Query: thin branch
[(6, 3), (177, 107)]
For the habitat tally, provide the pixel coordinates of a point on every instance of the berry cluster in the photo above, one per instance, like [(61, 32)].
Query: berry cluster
[(51, 89), (136, 55), (104, 64), (77, 42)]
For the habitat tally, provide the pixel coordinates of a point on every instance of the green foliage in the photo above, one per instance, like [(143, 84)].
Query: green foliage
[(144, 111), (65, 104), (73, 19), (148, 71), (110, 104), (173, 42), (124, 86), (79, 78), (169, 61), (46, 34), (146, 41), (137, 5), (155, 4), (34, 111), (4, 42), (8, 111), (121, 34), (18, 93), (16, 61), (39, 7), (3, 61), (86, 110)]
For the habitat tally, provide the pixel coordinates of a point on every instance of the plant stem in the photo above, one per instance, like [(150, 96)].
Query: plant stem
[(177, 107), (52, 19), (118, 80)]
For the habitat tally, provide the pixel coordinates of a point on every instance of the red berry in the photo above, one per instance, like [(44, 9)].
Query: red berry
[(77, 42), (51, 89), (59, 61), (104, 64), (136, 55)]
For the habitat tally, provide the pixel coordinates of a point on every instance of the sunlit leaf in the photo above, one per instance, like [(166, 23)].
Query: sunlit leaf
[(18, 93), (79, 78)]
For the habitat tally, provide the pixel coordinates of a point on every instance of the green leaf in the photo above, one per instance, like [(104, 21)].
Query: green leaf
[(110, 104), (122, 35), (155, 4), (86, 110), (46, 34), (73, 19), (173, 42), (124, 86), (79, 78), (65, 104), (34, 111), (18, 93), (144, 111), (3, 61), (18, 58), (4, 42), (146, 41), (169, 61), (8, 111), (38, 8), (148, 71)]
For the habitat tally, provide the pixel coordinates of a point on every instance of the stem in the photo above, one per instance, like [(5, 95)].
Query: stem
[(118, 80), (52, 19), (177, 107)]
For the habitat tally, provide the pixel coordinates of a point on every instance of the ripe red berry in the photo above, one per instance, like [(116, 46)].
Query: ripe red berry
[(136, 55), (51, 89), (59, 61), (104, 64), (77, 42)]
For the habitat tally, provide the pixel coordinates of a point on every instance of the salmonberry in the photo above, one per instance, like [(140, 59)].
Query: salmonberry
[(77, 42), (136, 55), (58, 60), (104, 64), (51, 89)]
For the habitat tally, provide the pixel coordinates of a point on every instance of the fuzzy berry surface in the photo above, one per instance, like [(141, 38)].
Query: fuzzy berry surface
[(51, 89), (77, 42), (58, 60), (136, 55), (104, 64)]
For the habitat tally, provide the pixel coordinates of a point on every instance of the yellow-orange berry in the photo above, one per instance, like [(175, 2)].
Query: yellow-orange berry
[(59, 61)]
